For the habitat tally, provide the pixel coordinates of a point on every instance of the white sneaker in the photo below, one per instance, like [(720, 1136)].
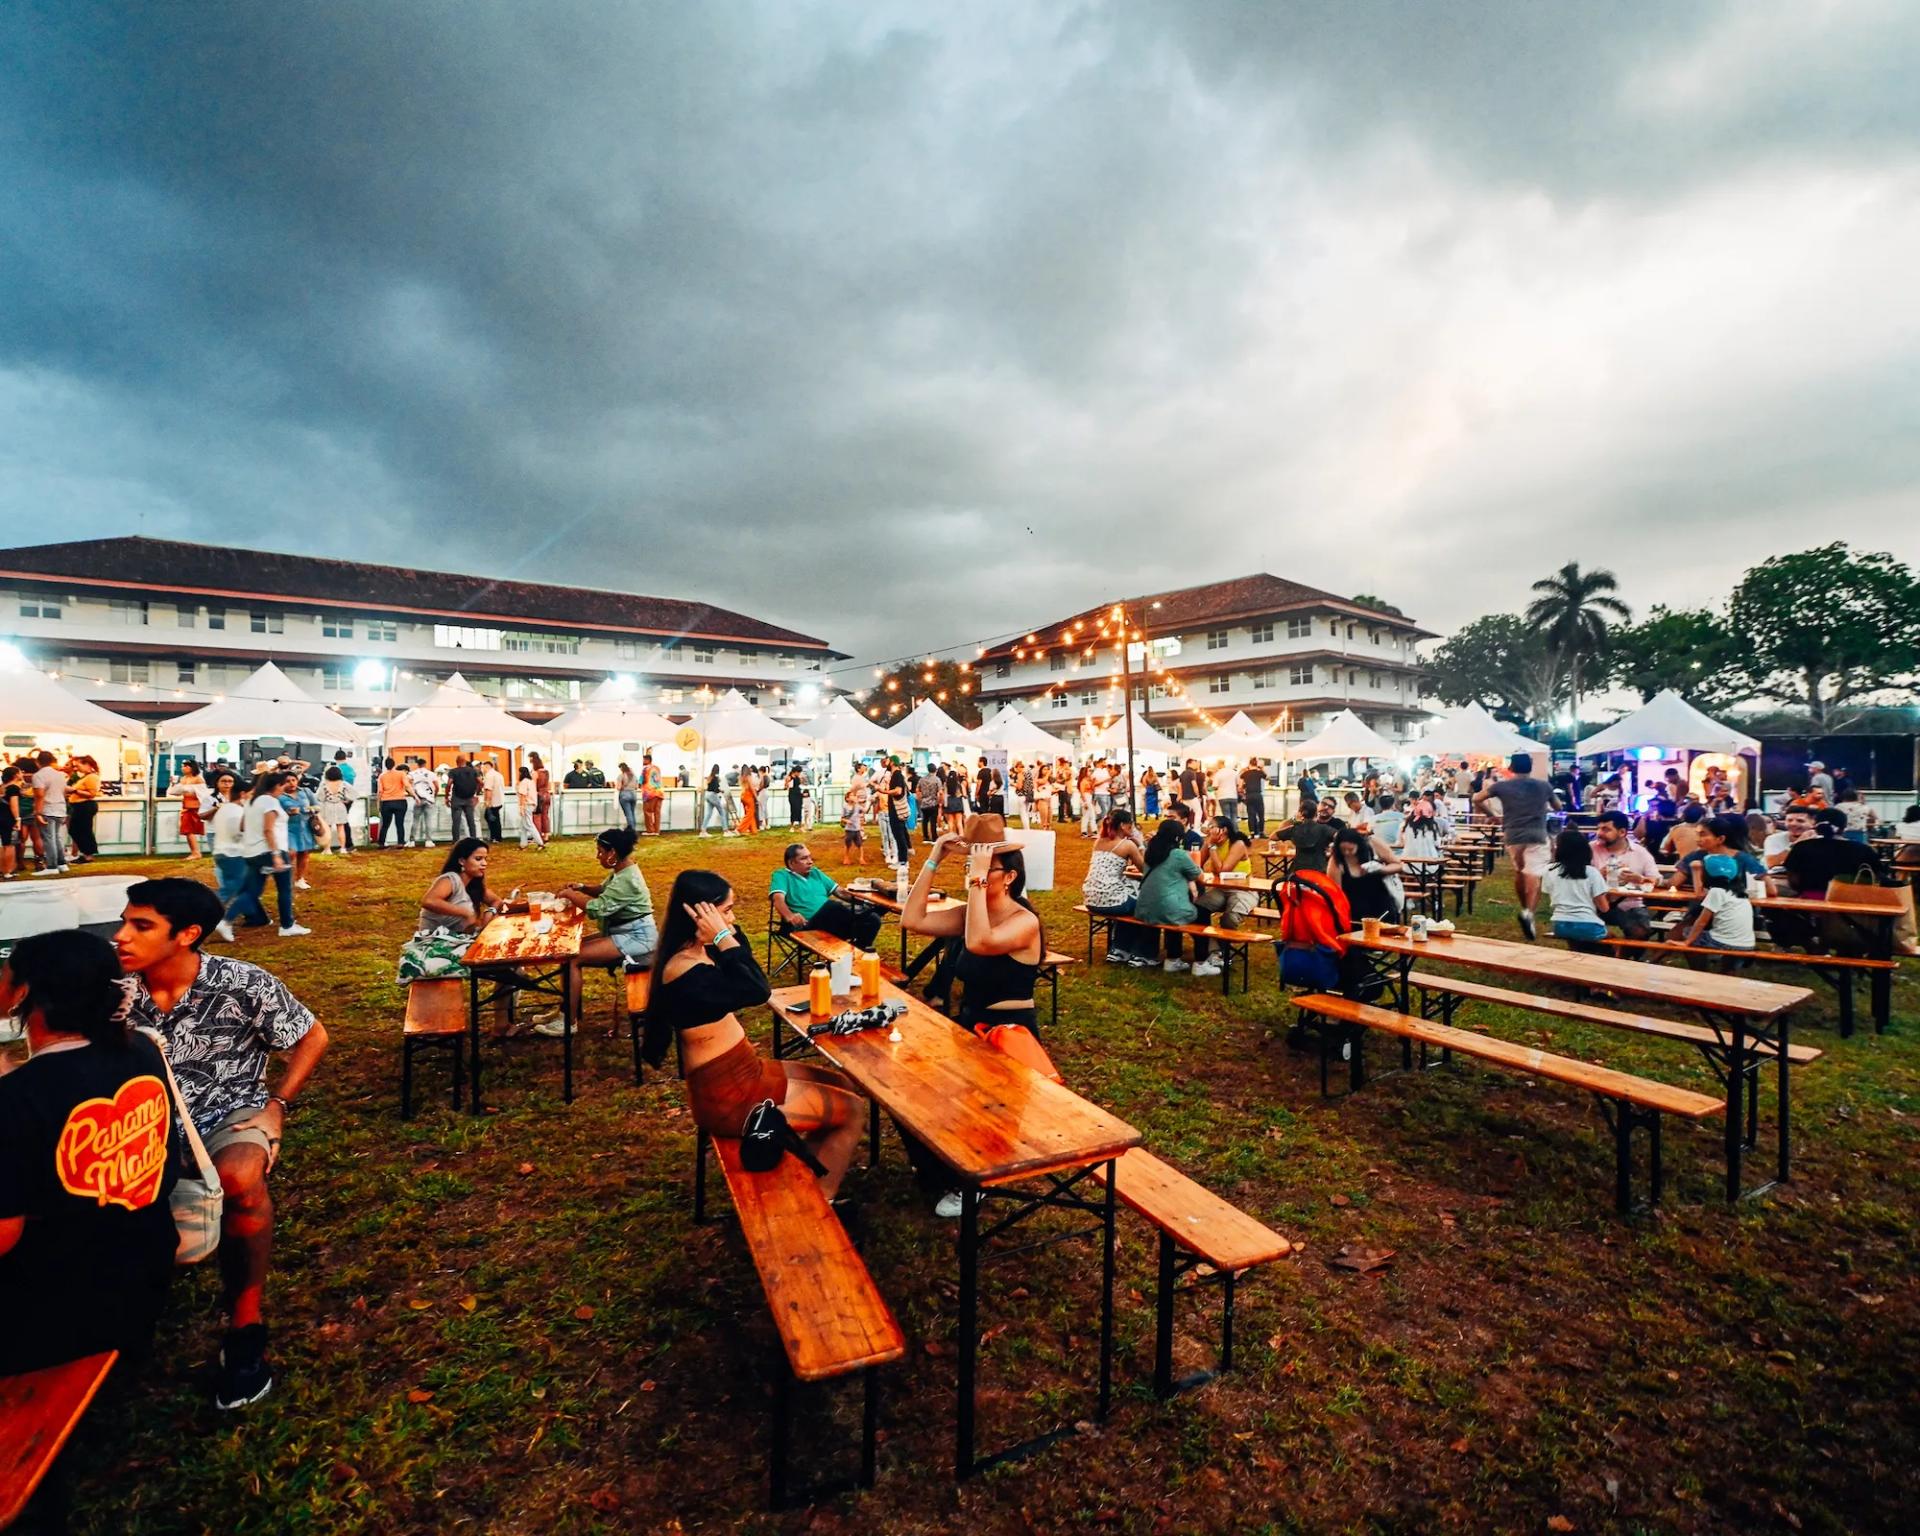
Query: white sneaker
[(224, 930), (43, 870), (949, 1206), (1175, 965), (294, 931), (301, 885), (552, 1026), (1208, 968)]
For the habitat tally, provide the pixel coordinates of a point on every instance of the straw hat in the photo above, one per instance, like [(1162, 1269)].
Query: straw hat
[(988, 830)]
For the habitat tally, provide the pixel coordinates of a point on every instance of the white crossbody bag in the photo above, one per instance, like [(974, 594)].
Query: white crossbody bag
[(198, 1200)]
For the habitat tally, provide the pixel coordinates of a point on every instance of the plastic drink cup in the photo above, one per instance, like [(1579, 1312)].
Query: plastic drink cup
[(1370, 929)]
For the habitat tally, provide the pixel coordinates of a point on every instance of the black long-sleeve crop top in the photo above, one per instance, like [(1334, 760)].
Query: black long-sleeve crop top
[(702, 994)]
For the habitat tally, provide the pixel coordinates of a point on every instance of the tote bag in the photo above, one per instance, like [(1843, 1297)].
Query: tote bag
[(197, 1201)]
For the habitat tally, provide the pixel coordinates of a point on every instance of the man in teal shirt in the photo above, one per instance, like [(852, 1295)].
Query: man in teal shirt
[(805, 896)]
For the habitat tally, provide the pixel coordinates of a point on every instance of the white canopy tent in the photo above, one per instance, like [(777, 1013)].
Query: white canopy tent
[(455, 715), (1346, 735), (931, 726), (840, 727), (33, 704), (1239, 738), (731, 723), (1470, 731), (1015, 732), (611, 714), (1667, 720), (268, 703), (1145, 738)]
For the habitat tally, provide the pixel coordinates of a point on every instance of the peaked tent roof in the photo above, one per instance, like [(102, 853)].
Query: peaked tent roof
[(267, 703), (1146, 738), (1667, 720), (842, 728), (1470, 731), (1345, 735), (1239, 737), (31, 703), (453, 712), (1017, 733), (611, 713), (731, 723), (931, 726)]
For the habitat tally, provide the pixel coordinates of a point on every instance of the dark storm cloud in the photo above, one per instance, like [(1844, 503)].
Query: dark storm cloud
[(816, 312)]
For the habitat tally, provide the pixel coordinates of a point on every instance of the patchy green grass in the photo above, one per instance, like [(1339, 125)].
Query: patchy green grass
[(511, 1324)]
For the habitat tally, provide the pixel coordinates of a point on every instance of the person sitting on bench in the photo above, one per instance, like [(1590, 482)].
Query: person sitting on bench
[(806, 896), (1724, 918), (703, 976)]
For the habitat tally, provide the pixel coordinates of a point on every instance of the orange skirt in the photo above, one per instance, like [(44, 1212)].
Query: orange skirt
[(721, 1092)]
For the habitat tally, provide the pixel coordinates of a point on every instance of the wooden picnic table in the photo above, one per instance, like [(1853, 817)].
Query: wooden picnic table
[(525, 952), (1742, 1012), (995, 1125), (1240, 883), (39, 1410), (911, 966)]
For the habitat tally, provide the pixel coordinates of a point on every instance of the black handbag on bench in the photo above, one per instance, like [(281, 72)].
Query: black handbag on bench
[(767, 1137)]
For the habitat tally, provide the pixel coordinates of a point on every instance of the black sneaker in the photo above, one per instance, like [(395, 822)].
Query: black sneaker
[(245, 1376), (1526, 925)]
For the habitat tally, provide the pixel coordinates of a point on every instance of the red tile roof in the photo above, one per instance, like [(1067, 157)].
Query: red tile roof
[(165, 565), (1214, 603)]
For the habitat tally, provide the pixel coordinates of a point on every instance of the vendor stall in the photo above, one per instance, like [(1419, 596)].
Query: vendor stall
[(1668, 732), (1472, 735), (38, 715), (609, 728), (454, 720)]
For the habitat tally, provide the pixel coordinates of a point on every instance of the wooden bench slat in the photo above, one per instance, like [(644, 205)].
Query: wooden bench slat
[(1199, 1220), (639, 989), (1578, 1074), (436, 1008), (1198, 930), (38, 1411), (1693, 1034), (829, 948), (1790, 956), (830, 1316)]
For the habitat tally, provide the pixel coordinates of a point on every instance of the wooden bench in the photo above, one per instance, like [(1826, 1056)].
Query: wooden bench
[(1196, 1227), (639, 986), (1235, 943), (1454, 991), (1836, 970), (39, 1411), (436, 1017), (831, 1319), (825, 948), (1626, 1101)]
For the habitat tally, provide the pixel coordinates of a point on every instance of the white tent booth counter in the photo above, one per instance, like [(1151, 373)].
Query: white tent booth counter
[(607, 728), (40, 714), (454, 720), (1668, 732), (1470, 734)]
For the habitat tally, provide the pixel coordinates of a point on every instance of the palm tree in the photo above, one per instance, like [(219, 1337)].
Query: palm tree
[(1574, 609)]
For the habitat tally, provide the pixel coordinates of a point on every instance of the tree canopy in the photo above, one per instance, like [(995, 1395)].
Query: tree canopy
[(1689, 650), (1502, 663)]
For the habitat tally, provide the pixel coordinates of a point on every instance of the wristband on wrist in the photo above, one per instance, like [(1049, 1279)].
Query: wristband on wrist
[(724, 933), (284, 1103)]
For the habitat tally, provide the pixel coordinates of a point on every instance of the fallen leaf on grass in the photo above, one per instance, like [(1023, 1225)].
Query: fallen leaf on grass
[(1460, 1447), (419, 1304), (1338, 1200), (1362, 1261), (1867, 1299), (604, 1500), (648, 1386), (583, 1314), (538, 1394), (468, 1303), (526, 1168), (419, 1395), (1559, 1523)]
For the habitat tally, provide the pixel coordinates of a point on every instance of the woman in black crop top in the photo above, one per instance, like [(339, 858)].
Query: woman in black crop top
[(1004, 939), (703, 975)]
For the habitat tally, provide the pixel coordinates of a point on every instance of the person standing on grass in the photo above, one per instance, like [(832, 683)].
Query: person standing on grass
[(263, 842), (928, 792), (83, 805), (392, 790), (296, 800), (463, 794), (336, 809), (542, 797), (1253, 793), (493, 799), (1524, 802), (422, 789), (191, 791), (527, 796), (222, 1021), (50, 814), (13, 798)]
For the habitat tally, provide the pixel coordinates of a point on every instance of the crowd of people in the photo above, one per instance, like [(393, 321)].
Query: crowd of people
[(47, 811)]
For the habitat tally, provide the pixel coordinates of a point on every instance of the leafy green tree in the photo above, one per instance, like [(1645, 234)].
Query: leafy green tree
[(1689, 650), (1826, 626), (894, 695), (1500, 662), (1379, 605), (1576, 609)]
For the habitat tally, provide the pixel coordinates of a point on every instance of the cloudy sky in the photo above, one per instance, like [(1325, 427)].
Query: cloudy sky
[(908, 325)]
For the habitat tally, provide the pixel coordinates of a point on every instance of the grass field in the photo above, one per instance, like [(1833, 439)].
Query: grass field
[(511, 1324)]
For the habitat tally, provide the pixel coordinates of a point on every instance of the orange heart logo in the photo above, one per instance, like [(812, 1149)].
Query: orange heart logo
[(114, 1151)]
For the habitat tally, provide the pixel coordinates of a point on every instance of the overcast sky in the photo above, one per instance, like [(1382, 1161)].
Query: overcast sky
[(907, 325)]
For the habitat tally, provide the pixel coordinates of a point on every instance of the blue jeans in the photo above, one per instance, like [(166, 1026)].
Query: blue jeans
[(716, 811), (1124, 937), (423, 822), (239, 897), (52, 834), (260, 866), (628, 799)]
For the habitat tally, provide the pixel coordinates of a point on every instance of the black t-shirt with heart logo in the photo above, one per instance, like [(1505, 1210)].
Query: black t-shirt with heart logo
[(89, 1154)]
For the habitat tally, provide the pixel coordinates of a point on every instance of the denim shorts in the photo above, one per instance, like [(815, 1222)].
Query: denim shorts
[(1590, 932), (637, 940)]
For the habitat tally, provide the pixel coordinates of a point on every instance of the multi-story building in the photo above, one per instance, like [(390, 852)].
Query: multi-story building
[(154, 627), (1289, 655)]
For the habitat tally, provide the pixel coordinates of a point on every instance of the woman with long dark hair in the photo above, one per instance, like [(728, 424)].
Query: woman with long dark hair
[(452, 913), (1578, 893), (542, 797), (1112, 888), (1363, 865), (702, 977), (1167, 896), (89, 1152), (1005, 940)]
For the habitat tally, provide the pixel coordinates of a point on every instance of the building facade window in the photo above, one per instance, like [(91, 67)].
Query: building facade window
[(184, 615), (267, 623), (216, 618), (1057, 662), (336, 628), (1088, 696), (1264, 679), (185, 673), (1299, 628), (462, 637), (336, 677), (549, 645), (1219, 683), (39, 607), (380, 629), (126, 611), (1216, 639), (122, 670), (1373, 679), (1261, 634), (703, 655), (1059, 701), (1299, 677), (671, 695)]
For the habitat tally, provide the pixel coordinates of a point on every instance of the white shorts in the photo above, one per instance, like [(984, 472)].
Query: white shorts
[(1527, 858)]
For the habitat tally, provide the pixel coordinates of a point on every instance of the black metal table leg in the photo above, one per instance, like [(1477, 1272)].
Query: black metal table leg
[(569, 991), (473, 1034), (1163, 1317), (969, 1341), (1106, 1292), (1736, 1103)]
